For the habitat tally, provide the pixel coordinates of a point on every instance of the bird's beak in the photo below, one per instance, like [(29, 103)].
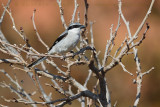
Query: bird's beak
[(82, 27)]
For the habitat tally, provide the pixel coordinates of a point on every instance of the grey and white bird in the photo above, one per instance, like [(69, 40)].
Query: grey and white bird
[(64, 43)]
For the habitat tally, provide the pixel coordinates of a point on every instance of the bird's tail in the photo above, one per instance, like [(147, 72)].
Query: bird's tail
[(37, 62)]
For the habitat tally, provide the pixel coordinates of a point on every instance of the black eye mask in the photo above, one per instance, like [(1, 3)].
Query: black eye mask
[(74, 26)]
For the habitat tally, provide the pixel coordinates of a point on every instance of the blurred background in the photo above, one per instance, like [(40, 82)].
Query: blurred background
[(104, 13)]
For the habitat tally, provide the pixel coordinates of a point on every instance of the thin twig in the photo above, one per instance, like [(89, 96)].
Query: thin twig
[(86, 13), (35, 29), (74, 12), (88, 78), (61, 13), (147, 72), (108, 94), (145, 18), (91, 31), (2, 16), (13, 23), (124, 69), (47, 98)]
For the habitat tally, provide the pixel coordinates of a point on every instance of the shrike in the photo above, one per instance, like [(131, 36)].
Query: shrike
[(64, 43)]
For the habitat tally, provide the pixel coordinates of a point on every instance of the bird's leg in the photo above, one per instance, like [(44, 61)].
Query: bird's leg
[(73, 54), (79, 58), (64, 57)]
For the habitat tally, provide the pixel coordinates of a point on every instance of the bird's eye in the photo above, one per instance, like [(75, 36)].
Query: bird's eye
[(70, 28)]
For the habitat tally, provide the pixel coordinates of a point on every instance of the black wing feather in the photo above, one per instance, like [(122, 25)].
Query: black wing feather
[(59, 38)]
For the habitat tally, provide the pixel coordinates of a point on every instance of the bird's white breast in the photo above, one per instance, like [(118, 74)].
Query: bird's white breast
[(68, 43)]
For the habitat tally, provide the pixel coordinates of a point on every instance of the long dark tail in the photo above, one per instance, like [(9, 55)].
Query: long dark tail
[(37, 62)]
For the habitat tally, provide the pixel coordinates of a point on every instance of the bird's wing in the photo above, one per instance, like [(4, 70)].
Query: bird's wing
[(59, 39)]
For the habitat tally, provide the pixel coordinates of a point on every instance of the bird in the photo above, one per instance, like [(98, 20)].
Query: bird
[(66, 42)]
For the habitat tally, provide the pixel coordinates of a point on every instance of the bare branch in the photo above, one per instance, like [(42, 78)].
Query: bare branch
[(35, 29), (147, 72), (74, 12), (61, 13), (124, 69), (47, 98), (143, 37), (13, 24), (18, 88), (91, 31), (145, 18), (2, 16), (108, 95), (115, 104), (88, 78), (86, 13), (3, 105), (111, 41)]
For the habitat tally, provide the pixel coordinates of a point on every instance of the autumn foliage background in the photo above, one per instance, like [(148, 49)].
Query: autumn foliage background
[(104, 13)]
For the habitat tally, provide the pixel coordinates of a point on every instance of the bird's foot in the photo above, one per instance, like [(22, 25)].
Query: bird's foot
[(64, 57), (74, 54)]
